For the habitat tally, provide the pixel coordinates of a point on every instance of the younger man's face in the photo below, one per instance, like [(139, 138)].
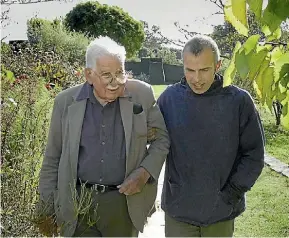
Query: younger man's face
[(200, 70)]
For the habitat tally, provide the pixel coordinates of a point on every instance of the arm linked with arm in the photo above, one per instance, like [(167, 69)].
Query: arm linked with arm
[(159, 147)]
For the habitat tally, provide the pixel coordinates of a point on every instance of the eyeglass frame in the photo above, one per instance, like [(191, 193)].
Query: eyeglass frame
[(112, 77)]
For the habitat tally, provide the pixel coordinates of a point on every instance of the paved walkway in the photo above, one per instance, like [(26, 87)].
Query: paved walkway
[(277, 165), (156, 224)]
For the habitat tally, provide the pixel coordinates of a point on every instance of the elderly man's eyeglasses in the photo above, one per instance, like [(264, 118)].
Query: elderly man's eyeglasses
[(108, 77)]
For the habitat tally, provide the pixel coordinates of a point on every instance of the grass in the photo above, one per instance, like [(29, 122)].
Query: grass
[(276, 138), (158, 89), (267, 212)]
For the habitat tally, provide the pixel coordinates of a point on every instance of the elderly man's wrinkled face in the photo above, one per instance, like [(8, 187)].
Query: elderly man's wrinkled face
[(200, 70), (108, 79)]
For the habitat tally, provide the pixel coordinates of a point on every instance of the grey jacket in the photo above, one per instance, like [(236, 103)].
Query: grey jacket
[(59, 169)]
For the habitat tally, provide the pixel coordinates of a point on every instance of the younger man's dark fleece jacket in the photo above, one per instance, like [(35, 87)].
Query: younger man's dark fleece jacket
[(216, 153)]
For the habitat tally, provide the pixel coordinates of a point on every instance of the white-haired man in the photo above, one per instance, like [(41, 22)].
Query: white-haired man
[(97, 171), (217, 147)]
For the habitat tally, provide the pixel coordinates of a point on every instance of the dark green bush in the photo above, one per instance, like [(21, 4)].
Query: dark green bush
[(96, 20)]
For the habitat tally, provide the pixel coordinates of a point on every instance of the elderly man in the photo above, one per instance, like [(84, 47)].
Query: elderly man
[(97, 171), (217, 147)]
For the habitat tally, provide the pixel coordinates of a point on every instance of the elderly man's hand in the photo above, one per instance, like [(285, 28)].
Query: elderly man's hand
[(135, 182), (47, 226), (44, 217)]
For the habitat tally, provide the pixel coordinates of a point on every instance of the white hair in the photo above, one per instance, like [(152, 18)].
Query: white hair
[(103, 46)]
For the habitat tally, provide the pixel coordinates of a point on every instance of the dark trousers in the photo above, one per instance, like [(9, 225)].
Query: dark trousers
[(108, 216), (174, 228)]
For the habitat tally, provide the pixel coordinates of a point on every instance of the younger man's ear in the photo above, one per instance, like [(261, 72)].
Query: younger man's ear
[(218, 65)]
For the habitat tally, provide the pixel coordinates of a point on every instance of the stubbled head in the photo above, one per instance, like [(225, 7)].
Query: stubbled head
[(105, 68), (201, 59)]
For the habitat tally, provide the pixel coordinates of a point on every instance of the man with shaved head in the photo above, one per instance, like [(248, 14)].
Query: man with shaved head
[(99, 177), (217, 147)]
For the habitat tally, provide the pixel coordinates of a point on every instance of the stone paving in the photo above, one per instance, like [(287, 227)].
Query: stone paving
[(156, 224), (277, 165)]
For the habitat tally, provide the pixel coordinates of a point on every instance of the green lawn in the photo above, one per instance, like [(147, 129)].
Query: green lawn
[(267, 212), (277, 139), (158, 89)]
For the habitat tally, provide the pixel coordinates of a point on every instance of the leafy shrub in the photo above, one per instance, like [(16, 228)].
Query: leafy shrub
[(25, 107), (29, 81), (47, 65), (241, 83), (53, 37), (143, 77)]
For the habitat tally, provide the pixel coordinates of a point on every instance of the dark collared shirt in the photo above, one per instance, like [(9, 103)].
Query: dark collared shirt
[(102, 144)]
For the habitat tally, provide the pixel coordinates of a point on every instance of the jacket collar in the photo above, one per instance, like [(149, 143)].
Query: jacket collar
[(215, 87)]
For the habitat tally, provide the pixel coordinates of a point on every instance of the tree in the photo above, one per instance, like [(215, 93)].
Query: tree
[(226, 35), (168, 55), (97, 20), (154, 46), (263, 61), (152, 39)]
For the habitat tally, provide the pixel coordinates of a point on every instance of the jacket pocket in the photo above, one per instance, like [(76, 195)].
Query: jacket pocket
[(221, 209), (174, 190)]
